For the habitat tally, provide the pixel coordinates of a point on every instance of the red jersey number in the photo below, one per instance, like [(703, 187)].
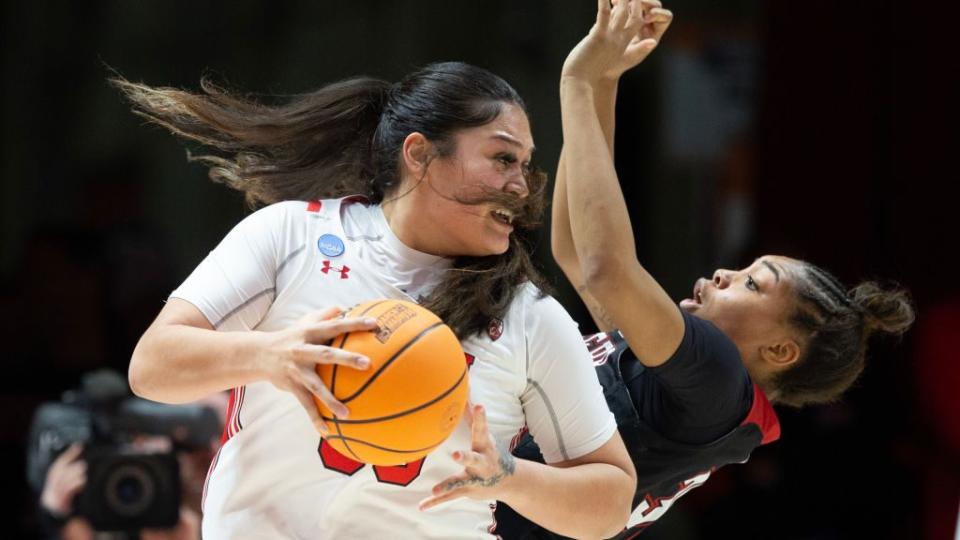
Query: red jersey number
[(398, 475)]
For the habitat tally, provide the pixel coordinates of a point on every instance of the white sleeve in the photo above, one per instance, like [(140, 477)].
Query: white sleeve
[(563, 402), (235, 284)]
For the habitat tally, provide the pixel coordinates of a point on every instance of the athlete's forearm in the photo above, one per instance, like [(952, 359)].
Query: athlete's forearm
[(561, 238), (599, 221), (177, 363), (602, 234), (591, 500), (605, 104), (605, 98)]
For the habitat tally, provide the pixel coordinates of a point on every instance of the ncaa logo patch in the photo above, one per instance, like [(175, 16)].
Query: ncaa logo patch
[(330, 245)]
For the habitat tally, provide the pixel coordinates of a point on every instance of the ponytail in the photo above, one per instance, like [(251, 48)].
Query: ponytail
[(836, 326), (315, 146), (345, 139), (886, 311)]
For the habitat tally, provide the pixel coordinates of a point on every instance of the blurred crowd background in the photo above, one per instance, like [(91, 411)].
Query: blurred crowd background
[(824, 131)]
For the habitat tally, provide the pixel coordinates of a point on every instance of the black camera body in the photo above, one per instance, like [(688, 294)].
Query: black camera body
[(128, 488)]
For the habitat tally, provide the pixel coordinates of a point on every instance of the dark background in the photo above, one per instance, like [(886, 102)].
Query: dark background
[(821, 130)]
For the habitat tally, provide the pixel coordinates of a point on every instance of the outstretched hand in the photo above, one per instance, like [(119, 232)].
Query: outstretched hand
[(293, 355), (623, 36), (487, 466)]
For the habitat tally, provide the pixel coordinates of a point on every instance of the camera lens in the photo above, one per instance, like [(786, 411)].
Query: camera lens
[(129, 489)]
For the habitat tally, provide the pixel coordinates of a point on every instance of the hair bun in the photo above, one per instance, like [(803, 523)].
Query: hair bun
[(887, 310)]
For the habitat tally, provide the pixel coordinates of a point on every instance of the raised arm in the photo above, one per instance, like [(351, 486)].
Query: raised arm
[(561, 239), (601, 232)]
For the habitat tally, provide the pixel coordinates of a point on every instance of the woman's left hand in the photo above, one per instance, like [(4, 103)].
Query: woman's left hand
[(488, 468), (623, 36)]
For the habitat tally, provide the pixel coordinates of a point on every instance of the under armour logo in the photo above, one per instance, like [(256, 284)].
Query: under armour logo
[(342, 269)]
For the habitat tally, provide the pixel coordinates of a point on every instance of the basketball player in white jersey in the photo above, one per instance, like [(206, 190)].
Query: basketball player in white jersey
[(443, 159)]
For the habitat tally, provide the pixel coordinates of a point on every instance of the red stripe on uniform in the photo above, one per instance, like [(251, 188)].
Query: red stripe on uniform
[(236, 414), (516, 438), (231, 427), (231, 405), (763, 415), (232, 424), (206, 482), (640, 528), (314, 206), (493, 517)]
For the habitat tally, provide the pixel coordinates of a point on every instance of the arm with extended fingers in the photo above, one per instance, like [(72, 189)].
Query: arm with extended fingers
[(581, 490), (599, 222), (181, 358)]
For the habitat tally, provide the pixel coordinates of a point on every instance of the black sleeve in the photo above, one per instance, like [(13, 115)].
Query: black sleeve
[(700, 394)]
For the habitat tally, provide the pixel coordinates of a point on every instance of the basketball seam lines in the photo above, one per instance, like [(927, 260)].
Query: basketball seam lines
[(333, 382), (343, 341), (364, 312), (386, 364), (553, 417), (403, 413), (345, 445), (384, 448)]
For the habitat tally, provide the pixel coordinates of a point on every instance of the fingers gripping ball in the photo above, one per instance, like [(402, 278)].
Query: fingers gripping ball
[(410, 398)]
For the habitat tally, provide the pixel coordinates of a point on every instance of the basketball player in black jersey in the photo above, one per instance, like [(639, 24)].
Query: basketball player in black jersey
[(692, 386)]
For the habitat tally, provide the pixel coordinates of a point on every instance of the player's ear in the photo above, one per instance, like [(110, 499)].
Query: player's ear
[(416, 151), (781, 354)]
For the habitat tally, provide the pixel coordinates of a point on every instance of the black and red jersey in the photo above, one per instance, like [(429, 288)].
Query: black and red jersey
[(680, 421)]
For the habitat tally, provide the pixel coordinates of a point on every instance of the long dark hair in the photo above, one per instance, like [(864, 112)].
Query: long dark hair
[(836, 326), (345, 138)]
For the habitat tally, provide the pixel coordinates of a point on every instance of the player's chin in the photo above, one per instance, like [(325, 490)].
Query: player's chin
[(498, 245), (488, 248), (486, 242)]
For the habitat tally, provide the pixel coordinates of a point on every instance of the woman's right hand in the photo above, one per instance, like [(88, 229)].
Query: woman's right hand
[(291, 357), (622, 37)]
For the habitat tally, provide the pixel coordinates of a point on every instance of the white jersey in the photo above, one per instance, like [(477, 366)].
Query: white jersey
[(274, 478)]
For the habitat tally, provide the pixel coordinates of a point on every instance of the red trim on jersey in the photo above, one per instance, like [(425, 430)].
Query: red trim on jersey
[(237, 426), (493, 516), (231, 404), (639, 529), (314, 206), (516, 438), (206, 481), (232, 426), (763, 415)]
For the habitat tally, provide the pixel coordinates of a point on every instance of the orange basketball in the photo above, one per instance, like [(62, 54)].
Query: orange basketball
[(410, 398)]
